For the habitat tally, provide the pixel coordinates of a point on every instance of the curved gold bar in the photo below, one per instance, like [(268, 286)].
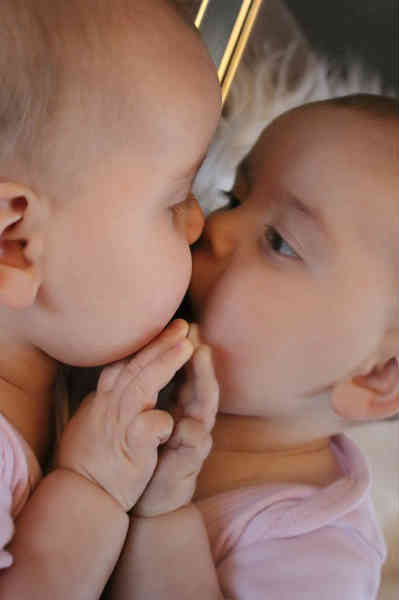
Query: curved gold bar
[(225, 27), (201, 12), (239, 49)]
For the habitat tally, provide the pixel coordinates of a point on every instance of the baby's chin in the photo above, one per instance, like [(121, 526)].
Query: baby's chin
[(107, 353)]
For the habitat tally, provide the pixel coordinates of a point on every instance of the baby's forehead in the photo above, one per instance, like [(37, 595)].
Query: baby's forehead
[(324, 145), (315, 126), (151, 90), (341, 163)]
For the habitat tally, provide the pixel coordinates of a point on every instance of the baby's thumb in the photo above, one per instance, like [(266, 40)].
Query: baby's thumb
[(154, 426)]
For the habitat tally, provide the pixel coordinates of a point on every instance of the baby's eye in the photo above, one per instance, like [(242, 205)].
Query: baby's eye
[(277, 243)]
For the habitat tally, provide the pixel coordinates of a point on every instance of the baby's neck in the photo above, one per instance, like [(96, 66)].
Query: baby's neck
[(27, 376), (252, 451)]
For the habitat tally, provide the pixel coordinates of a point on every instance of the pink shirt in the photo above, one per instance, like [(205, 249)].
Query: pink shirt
[(299, 542), (19, 473)]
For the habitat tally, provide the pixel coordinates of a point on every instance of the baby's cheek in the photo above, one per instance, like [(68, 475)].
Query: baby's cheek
[(174, 278), (222, 328), (200, 283)]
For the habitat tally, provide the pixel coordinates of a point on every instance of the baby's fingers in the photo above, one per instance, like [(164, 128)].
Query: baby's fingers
[(143, 388), (117, 376), (109, 376), (199, 397), (190, 434), (150, 428)]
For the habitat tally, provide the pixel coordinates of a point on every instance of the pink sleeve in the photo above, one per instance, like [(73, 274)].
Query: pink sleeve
[(329, 563), (14, 484), (6, 523)]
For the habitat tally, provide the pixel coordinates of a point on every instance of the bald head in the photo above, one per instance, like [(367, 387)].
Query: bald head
[(66, 64)]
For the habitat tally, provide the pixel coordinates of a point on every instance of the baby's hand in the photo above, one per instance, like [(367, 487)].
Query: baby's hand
[(181, 459), (113, 438)]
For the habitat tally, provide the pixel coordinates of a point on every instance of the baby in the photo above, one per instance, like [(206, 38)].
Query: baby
[(295, 288), (106, 111)]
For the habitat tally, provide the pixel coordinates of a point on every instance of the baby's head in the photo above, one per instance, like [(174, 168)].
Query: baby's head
[(106, 111), (295, 285)]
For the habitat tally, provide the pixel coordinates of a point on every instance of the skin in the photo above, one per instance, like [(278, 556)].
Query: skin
[(168, 533), (95, 261), (110, 223), (269, 428), (130, 182), (250, 293)]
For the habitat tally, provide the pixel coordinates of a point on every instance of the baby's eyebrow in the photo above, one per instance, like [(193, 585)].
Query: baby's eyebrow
[(311, 217), (310, 213)]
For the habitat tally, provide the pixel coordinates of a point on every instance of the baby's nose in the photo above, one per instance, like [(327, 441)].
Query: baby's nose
[(220, 234), (193, 219)]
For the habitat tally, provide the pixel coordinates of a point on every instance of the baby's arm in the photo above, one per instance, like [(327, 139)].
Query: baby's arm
[(167, 552), (70, 533)]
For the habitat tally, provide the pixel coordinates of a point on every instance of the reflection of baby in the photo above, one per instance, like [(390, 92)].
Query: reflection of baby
[(106, 111), (295, 288)]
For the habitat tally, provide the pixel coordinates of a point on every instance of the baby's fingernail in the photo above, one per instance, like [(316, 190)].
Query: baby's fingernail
[(164, 437), (179, 327)]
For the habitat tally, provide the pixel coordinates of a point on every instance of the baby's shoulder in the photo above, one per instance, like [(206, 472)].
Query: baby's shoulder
[(19, 469)]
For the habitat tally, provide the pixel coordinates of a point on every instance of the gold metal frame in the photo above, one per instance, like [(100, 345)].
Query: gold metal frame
[(238, 50), (201, 12), (237, 41)]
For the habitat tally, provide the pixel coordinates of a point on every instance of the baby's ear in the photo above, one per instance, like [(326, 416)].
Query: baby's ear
[(371, 396), (21, 245)]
